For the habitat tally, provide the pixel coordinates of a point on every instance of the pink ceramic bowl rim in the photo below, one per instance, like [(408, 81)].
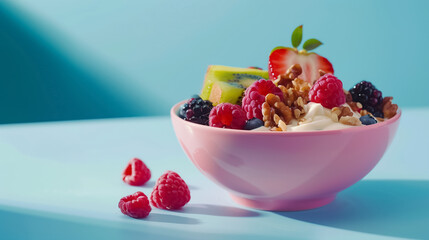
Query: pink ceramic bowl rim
[(174, 111)]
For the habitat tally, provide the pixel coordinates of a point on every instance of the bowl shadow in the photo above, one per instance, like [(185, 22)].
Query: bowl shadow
[(168, 218), (217, 210), (397, 208)]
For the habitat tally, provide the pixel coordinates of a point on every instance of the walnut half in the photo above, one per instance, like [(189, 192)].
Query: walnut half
[(286, 79), (389, 108), (275, 113), (344, 115)]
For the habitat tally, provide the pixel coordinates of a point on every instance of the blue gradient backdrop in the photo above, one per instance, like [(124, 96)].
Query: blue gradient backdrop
[(64, 60)]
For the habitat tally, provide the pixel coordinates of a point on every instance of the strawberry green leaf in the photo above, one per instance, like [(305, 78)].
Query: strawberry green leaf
[(297, 36), (311, 44)]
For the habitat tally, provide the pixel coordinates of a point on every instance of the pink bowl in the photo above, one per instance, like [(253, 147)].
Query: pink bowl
[(284, 171)]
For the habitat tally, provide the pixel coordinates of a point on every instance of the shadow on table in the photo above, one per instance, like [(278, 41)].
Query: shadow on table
[(19, 223), (397, 208), (168, 218), (217, 210)]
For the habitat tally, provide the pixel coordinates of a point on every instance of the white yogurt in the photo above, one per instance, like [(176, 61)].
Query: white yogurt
[(316, 118)]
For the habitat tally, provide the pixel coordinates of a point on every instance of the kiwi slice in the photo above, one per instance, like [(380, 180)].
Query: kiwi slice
[(227, 84), (226, 92)]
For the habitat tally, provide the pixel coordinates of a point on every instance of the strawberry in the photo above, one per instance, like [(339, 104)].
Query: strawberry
[(281, 58)]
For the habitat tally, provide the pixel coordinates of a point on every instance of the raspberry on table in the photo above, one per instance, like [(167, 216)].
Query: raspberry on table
[(135, 205), (328, 91), (227, 115), (254, 97), (196, 110), (170, 192), (136, 173), (369, 96)]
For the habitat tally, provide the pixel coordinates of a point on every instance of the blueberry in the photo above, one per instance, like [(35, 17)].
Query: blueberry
[(253, 123), (182, 110), (367, 120)]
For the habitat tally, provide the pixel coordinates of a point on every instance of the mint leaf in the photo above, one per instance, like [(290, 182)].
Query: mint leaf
[(311, 44), (297, 36)]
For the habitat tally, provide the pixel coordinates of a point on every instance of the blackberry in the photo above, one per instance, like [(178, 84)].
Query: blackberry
[(369, 96), (196, 110)]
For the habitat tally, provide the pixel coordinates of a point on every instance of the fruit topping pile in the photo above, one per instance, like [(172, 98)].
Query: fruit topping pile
[(298, 89)]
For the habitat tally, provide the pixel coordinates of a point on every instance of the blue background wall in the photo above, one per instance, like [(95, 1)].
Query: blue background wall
[(62, 60)]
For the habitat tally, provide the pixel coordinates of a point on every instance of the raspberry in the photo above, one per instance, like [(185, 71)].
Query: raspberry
[(170, 192), (136, 173), (196, 110), (135, 205), (370, 98), (227, 115), (328, 91), (254, 97)]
